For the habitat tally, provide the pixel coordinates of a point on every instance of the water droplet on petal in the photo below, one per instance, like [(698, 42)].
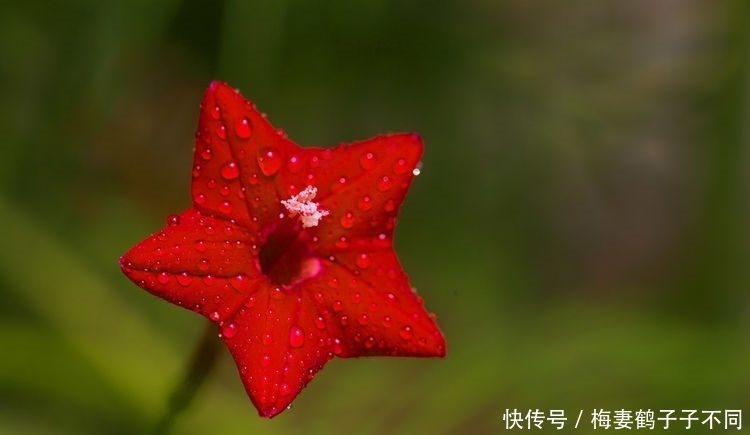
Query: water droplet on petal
[(401, 166), (285, 390), (347, 220), (203, 265), (406, 333), (265, 360), (269, 161), (229, 330), (367, 160), (365, 203), (338, 306), (385, 183), (242, 128), (206, 154), (200, 246), (320, 322), (387, 321), (215, 112), (214, 316), (363, 319), (163, 278), (296, 336), (250, 302), (363, 261), (333, 282), (225, 207), (230, 171), (294, 164), (390, 205), (239, 282), (173, 220), (278, 294), (356, 297), (184, 279), (221, 131), (338, 348), (199, 199), (344, 320)]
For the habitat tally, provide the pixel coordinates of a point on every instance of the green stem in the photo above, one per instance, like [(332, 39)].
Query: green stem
[(204, 358)]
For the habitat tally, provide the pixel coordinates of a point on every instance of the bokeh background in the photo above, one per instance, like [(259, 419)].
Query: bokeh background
[(579, 227)]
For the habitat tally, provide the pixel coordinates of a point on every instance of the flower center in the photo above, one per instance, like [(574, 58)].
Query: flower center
[(284, 259), (280, 257)]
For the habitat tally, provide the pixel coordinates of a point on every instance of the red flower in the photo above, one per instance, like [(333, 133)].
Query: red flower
[(289, 250)]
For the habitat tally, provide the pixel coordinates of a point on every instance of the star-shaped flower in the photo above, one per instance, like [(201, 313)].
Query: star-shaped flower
[(289, 250)]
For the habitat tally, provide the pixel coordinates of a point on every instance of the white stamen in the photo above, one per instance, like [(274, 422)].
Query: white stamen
[(302, 204)]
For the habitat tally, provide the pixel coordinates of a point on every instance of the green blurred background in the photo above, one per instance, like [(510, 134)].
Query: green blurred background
[(579, 226)]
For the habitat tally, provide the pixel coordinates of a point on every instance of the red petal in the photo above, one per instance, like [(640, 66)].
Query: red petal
[(279, 341), (362, 185), (202, 263), (237, 153), (374, 308)]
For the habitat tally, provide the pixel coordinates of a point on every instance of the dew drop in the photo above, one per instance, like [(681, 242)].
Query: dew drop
[(319, 297), (285, 390), (356, 297), (206, 154), (367, 160), (209, 280), (214, 316), (242, 128), (163, 278), (173, 220), (333, 282), (387, 321), (184, 279), (296, 336), (294, 164), (363, 261), (265, 360), (344, 320), (269, 161), (320, 322), (338, 306), (347, 220), (385, 183), (363, 319), (406, 333), (338, 348), (199, 199), (230, 171), (250, 302), (390, 205), (239, 282), (221, 131), (225, 207), (365, 203), (229, 330), (401, 166), (278, 294), (215, 112), (203, 265), (339, 184)]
